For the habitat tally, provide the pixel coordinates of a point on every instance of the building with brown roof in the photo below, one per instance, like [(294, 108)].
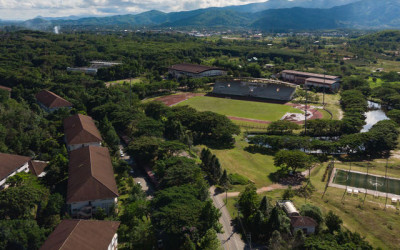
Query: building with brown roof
[(6, 89), (83, 235), (37, 168), (10, 165), (80, 131), (311, 79), (91, 182), (194, 70), (50, 101), (304, 223)]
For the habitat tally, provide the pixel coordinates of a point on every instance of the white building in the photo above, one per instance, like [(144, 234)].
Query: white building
[(83, 235), (194, 70), (80, 131), (91, 182), (11, 165)]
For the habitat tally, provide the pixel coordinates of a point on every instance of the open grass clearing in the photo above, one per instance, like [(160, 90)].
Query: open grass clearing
[(254, 166), (238, 108), (126, 81)]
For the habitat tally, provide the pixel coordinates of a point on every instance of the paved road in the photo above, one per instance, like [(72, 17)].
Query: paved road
[(230, 240), (139, 176)]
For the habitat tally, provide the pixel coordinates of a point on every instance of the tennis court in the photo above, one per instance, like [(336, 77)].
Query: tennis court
[(371, 182)]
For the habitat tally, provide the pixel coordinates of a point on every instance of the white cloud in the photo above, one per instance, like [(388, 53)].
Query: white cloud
[(26, 9)]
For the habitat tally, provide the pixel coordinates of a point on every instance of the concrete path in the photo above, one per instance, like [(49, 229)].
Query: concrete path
[(230, 240)]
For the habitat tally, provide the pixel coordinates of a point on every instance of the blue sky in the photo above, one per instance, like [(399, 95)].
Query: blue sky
[(26, 9)]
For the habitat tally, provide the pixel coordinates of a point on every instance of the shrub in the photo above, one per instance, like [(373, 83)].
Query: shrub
[(237, 179)]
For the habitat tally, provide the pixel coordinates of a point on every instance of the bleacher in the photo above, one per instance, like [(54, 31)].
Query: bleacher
[(256, 88)]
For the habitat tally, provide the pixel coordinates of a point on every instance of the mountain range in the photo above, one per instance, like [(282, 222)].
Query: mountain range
[(273, 15)]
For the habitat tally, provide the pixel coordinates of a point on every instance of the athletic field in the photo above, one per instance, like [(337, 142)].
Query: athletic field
[(371, 182), (239, 108)]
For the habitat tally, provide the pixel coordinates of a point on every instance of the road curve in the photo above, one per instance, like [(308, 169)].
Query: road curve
[(230, 240)]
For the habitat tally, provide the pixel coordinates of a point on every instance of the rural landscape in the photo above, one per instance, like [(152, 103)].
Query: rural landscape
[(269, 125)]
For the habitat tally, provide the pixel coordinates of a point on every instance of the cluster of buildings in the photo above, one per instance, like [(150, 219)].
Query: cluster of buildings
[(328, 82), (297, 222), (91, 186), (93, 68), (91, 182)]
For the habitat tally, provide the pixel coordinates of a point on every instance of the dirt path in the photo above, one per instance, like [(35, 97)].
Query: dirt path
[(171, 100)]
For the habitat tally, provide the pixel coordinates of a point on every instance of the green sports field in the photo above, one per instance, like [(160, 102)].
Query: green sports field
[(371, 182), (238, 108)]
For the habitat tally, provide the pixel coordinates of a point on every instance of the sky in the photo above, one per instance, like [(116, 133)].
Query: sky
[(27, 9)]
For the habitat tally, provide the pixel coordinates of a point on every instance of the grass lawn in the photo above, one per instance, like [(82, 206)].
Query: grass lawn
[(238, 108), (332, 104), (379, 226), (127, 81), (256, 167), (375, 84)]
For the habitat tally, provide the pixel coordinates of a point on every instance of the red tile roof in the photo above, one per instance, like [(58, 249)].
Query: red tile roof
[(81, 235), (91, 175), (37, 167), (5, 88), (307, 74), (302, 221), (51, 100), (192, 68), (80, 129), (9, 163)]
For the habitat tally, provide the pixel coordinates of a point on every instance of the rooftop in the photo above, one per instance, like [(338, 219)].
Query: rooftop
[(81, 235), (37, 167), (52, 100), (302, 221), (5, 88), (321, 81), (80, 129), (192, 68), (9, 163), (307, 74), (91, 175)]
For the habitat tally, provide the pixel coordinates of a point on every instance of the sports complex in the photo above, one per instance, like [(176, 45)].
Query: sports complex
[(366, 183)]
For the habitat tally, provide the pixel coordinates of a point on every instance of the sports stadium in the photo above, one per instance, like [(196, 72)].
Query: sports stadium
[(255, 88)]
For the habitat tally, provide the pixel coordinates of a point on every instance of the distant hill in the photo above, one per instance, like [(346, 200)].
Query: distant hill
[(365, 14), (284, 4)]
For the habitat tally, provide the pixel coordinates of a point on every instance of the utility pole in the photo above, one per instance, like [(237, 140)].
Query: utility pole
[(305, 113), (130, 88), (323, 94), (386, 180)]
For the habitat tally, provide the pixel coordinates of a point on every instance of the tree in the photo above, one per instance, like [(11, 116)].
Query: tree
[(333, 222), (56, 171), (224, 180), (21, 234), (264, 206), (282, 127), (292, 160), (288, 193), (144, 149), (109, 134), (248, 201), (275, 241), (313, 212), (209, 241)]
